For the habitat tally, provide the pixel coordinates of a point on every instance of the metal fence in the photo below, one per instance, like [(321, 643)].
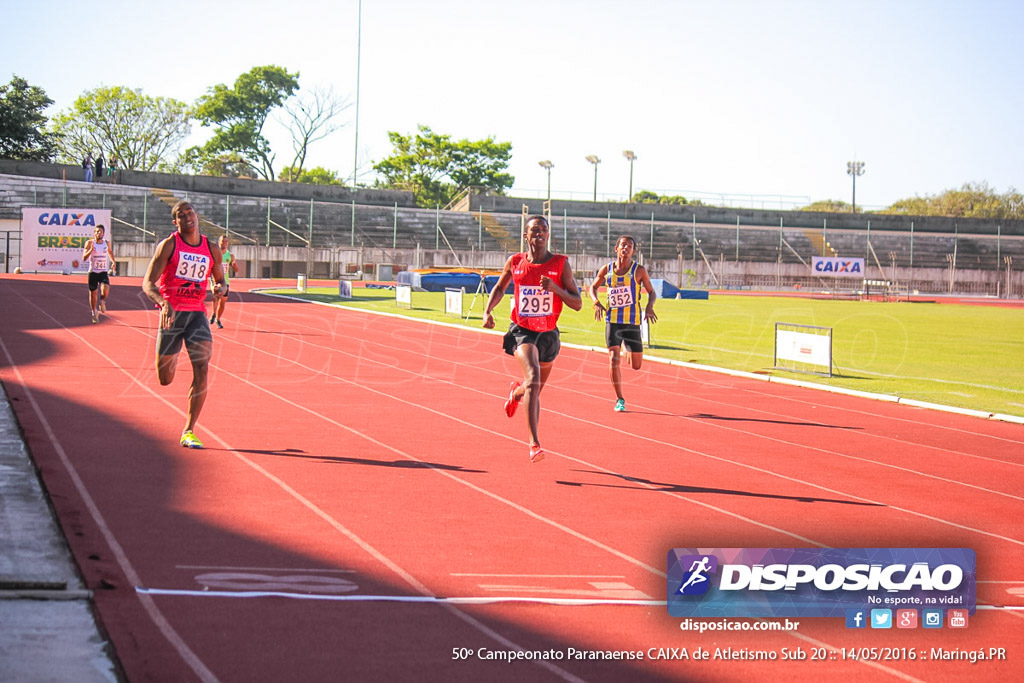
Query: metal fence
[(673, 247)]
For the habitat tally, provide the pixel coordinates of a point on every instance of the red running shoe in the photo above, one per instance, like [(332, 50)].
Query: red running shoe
[(536, 453), (512, 403)]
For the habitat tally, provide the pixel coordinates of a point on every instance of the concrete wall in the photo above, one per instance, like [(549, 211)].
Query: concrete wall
[(727, 216)]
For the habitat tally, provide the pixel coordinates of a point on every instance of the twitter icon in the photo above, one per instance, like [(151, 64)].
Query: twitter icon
[(881, 618)]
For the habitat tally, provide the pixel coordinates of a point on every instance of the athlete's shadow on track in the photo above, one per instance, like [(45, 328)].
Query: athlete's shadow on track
[(726, 418), (795, 423), (663, 487), (400, 464)]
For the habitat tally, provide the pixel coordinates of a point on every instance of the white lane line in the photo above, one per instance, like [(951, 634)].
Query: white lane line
[(194, 662), (450, 475), (485, 492), (704, 369), (454, 600), (420, 599), (466, 617), (265, 569), (536, 576), (602, 425), (172, 636), (706, 423)]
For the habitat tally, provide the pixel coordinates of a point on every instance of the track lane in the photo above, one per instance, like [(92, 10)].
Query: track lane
[(538, 496)]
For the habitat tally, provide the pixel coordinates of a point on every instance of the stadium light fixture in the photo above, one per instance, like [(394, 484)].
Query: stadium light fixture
[(854, 169), (547, 165), (631, 157), (595, 161)]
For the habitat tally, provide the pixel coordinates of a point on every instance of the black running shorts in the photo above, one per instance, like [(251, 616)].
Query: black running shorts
[(619, 333), (96, 278), (547, 343), (189, 328)]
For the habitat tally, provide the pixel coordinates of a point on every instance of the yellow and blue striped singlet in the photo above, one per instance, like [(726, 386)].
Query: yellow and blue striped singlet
[(623, 296)]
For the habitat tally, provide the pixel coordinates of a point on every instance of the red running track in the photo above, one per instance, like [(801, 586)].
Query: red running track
[(361, 486)]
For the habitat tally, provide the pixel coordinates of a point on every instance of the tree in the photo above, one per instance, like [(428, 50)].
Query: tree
[(648, 197), (311, 117), (141, 131), (972, 200), (239, 114), (313, 176), (223, 165), (434, 168), (22, 123), (828, 206), (645, 197)]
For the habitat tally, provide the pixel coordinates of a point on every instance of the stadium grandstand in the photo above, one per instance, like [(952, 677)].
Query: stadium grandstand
[(283, 229)]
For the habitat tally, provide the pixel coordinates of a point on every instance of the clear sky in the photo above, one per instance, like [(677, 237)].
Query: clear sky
[(735, 97)]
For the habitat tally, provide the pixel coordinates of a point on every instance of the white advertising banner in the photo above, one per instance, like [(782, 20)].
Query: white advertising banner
[(453, 301), (802, 347), (403, 295), (835, 266), (52, 240)]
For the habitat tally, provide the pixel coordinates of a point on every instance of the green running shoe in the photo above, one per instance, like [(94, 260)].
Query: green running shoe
[(620, 405), (190, 440)]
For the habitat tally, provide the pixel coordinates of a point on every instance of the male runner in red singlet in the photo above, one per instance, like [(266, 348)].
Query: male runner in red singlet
[(176, 282), (543, 281)]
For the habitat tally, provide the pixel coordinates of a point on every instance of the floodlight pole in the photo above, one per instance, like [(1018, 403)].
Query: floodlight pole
[(631, 157), (854, 169), (595, 161), (359, 50), (547, 165)]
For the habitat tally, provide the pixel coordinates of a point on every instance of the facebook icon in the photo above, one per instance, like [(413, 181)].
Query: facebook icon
[(856, 618)]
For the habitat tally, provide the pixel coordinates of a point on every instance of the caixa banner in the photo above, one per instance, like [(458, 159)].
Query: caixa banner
[(817, 582), (835, 266), (52, 240)]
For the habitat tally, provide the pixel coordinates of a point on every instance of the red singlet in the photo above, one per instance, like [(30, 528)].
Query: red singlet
[(183, 282), (534, 307)]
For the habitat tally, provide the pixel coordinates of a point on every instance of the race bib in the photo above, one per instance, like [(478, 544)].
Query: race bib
[(620, 297), (535, 302), (193, 267), (99, 262)]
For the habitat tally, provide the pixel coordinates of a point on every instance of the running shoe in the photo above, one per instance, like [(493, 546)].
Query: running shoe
[(536, 453), (620, 405), (190, 440), (95, 317), (103, 305), (220, 325), (213, 319), (512, 403)]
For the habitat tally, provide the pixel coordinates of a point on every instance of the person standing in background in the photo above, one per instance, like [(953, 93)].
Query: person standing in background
[(230, 268)]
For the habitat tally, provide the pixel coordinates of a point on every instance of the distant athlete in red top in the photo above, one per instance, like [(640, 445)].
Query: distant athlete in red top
[(176, 282), (543, 281)]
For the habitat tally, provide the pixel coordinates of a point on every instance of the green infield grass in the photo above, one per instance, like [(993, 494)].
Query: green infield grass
[(947, 353)]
